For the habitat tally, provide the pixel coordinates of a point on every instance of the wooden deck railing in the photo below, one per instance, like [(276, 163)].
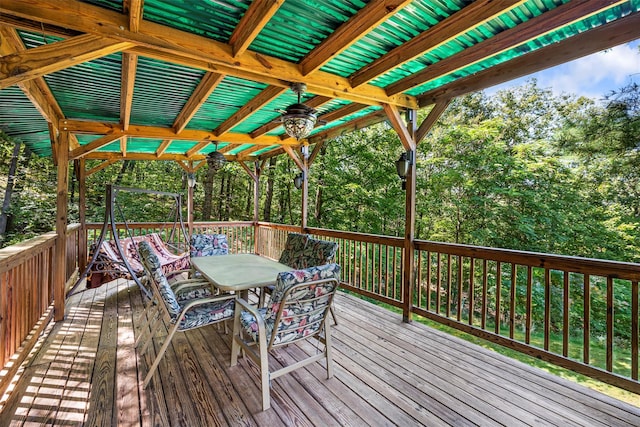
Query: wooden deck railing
[(26, 295), (577, 313)]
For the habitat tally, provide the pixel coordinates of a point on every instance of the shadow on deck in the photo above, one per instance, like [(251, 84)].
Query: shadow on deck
[(87, 372)]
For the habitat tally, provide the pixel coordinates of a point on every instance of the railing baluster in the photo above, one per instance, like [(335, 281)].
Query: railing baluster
[(449, 274), (498, 296), (483, 318), (459, 282), (634, 329), (565, 315), (429, 280), (586, 304), (512, 308), (610, 324), (438, 281), (547, 307), (471, 299), (527, 338)]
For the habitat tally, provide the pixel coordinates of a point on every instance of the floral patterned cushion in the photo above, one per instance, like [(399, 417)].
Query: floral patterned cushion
[(152, 263), (209, 244), (297, 320), (293, 247), (207, 313), (193, 292)]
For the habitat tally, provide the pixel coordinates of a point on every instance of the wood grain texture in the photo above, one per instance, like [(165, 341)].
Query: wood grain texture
[(386, 373)]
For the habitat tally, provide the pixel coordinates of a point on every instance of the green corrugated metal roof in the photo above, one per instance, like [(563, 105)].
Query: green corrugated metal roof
[(170, 69)]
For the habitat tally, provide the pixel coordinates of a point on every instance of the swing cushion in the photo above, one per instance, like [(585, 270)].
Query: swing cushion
[(109, 266)]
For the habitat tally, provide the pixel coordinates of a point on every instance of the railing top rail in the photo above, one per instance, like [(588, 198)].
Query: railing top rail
[(350, 235), (15, 254), (615, 269)]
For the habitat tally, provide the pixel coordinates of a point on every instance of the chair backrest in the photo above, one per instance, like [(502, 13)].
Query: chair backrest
[(302, 251), (319, 252), (300, 302), (208, 244), (158, 281), (293, 248)]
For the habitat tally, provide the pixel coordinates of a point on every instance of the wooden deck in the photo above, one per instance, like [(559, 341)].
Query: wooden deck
[(87, 372)]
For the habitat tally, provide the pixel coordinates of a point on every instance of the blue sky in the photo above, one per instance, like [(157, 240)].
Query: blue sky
[(592, 76)]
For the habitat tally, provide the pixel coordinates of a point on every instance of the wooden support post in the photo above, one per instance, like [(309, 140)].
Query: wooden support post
[(82, 210), (191, 179), (305, 188), (60, 255), (256, 205), (410, 226)]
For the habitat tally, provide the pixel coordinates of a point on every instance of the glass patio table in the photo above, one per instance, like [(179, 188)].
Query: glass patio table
[(239, 272)]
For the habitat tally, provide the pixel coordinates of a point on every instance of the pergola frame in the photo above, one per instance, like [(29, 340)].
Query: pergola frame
[(90, 32)]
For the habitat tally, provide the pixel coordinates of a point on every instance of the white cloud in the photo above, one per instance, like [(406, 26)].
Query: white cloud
[(593, 76)]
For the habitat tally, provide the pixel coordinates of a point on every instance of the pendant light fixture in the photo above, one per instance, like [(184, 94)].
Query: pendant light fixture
[(298, 119), (216, 160)]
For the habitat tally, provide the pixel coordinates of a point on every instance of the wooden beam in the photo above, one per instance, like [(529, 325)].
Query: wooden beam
[(536, 27), (461, 22), (102, 128), (199, 96), (612, 34), (315, 152), (10, 43), (49, 58), (251, 107), (342, 112), (163, 147), (101, 166), (431, 119), (253, 21), (314, 102), (396, 122), (83, 150), (36, 89), (294, 156), (162, 42), (249, 171), (363, 22), (134, 9), (123, 145), (60, 253), (128, 79), (352, 125), (184, 166)]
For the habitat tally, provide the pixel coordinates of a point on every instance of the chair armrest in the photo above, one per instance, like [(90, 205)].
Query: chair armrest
[(251, 309), (189, 283)]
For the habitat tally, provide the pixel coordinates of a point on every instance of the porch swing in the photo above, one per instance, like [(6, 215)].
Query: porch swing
[(115, 258)]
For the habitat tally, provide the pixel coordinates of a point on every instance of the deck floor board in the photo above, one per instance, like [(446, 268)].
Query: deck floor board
[(88, 372)]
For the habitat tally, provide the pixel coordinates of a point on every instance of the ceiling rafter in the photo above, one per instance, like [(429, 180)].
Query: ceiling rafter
[(128, 79), (253, 21), (49, 58), (36, 89), (360, 24), (205, 88), (134, 9), (606, 36), (342, 112), (215, 56), (264, 97), (466, 19), (163, 147), (508, 39)]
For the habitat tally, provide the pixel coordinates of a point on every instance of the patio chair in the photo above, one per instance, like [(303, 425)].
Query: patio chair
[(208, 244), (302, 251), (179, 315), (297, 311)]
